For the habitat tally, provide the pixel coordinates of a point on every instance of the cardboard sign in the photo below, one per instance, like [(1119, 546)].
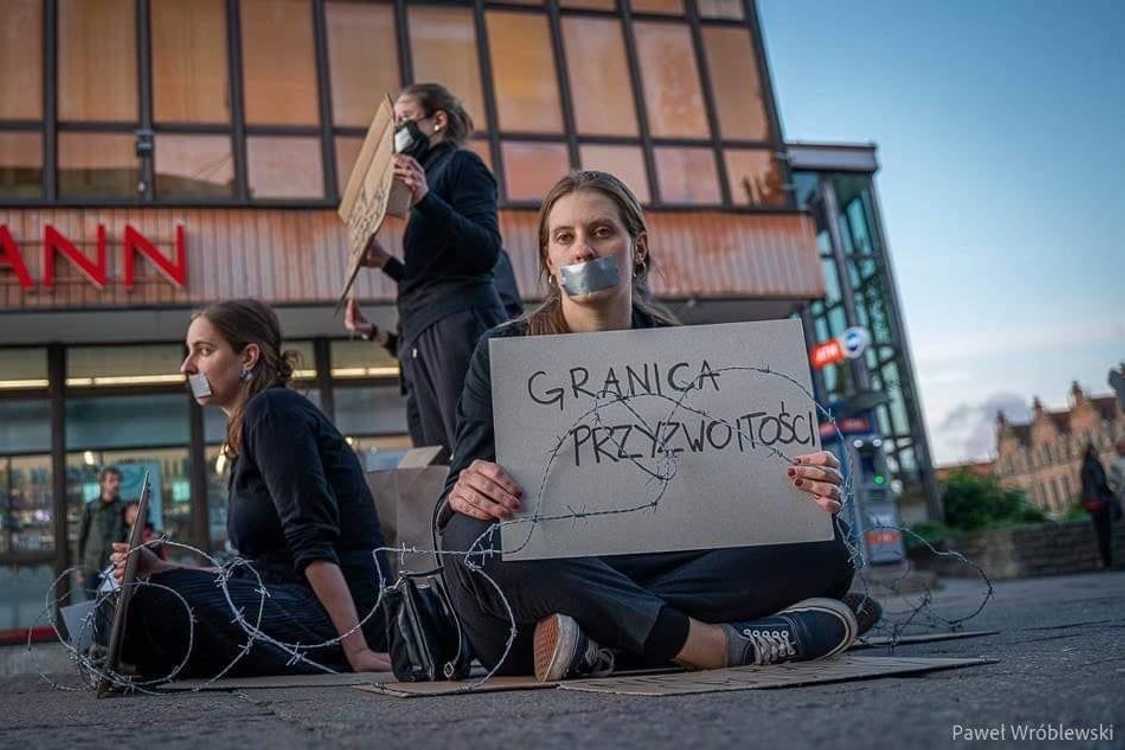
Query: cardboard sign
[(656, 440), (372, 191)]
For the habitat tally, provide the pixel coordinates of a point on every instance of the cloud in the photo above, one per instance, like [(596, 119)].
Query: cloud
[(969, 429)]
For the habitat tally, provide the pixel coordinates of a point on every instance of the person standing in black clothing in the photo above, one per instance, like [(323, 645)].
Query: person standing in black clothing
[(447, 295), (1099, 502), (299, 510), (703, 609)]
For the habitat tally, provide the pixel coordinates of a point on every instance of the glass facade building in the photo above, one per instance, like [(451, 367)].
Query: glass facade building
[(157, 155), (836, 184)]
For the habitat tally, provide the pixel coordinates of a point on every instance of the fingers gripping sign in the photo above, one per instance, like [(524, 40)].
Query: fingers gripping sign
[(485, 491), (819, 475)]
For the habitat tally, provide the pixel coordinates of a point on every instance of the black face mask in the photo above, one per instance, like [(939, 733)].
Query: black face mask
[(411, 141)]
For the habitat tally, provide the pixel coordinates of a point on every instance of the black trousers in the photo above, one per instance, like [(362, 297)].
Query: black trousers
[(156, 633), (1103, 527), (434, 365), (617, 599)]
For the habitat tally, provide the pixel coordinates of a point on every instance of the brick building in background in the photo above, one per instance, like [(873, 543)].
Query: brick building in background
[(1044, 456)]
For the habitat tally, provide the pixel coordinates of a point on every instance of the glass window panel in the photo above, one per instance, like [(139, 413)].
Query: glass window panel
[(217, 496), (380, 453), (857, 222), (189, 61), (124, 365), (98, 164), (836, 321), (720, 9), (599, 76), (25, 426), (831, 281), (592, 4), (25, 504), (279, 62), (755, 178), (21, 164), (533, 168), (193, 166), (125, 421), (361, 359), (624, 162), (374, 409), (347, 151), (169, 473), (362, 59), (23, 368), (674, 7), (687, 175), (443, 44), (734, 79), (97, 60), (481, 149), (284, 167), (899, 422), (821, 326), (305, 369), (527, 92), (23, 587), (21, 59), (671, 81)]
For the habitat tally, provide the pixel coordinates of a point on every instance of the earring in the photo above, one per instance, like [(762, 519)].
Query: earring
[(246, 374)]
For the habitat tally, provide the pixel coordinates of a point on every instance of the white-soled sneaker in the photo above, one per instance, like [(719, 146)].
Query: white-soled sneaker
[(812, 629), (562, 650)]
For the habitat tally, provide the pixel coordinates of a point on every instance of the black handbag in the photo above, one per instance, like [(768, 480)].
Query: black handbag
[(426, 640)]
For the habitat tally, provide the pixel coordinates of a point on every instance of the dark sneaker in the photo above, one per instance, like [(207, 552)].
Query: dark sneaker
[(812, 629), (562, 650), (867, 611)]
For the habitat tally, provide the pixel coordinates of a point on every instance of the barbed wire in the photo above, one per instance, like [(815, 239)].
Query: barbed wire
[(657, 478)]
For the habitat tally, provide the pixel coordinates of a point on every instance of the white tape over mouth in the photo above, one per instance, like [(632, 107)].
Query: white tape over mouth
[(200, 386), (593, 276)]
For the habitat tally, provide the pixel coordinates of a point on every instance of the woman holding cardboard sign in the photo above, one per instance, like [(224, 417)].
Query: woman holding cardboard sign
[(299, 510), (750, 605), (447, 295)]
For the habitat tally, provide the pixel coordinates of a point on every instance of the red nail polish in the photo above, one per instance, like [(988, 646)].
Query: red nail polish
[(798, 482), (792, 472)]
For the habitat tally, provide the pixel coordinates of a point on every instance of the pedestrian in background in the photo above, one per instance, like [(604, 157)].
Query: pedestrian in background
[(1099, 502), (102, 525)]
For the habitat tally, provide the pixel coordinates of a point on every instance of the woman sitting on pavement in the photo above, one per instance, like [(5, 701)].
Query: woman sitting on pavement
[(299, 510), (702, 609)]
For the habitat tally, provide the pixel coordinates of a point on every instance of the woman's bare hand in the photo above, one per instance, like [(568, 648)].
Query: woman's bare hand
[(485, 491), (819, 475)]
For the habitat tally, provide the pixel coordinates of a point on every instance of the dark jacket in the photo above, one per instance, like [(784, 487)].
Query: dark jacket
[(1094, 484), (451, 244), (299, 495), (102, 525), (476, 437)]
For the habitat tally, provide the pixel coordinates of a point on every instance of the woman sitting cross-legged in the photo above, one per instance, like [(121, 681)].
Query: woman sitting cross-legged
[(701, 609)]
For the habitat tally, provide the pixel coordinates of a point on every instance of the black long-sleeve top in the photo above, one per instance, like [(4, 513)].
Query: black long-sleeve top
[(298, 494), (451, 243), (476, 436)]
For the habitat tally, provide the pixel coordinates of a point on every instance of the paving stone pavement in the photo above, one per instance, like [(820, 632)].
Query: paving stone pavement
[(1062, 662)]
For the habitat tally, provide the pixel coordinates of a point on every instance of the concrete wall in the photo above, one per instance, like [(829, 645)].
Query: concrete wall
[(1025, 551)]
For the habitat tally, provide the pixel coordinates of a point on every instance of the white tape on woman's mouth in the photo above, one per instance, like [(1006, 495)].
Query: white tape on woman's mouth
[(593, 276), (200, 387)]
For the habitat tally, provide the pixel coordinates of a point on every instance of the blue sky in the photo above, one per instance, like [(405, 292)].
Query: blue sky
[(1001, 135)]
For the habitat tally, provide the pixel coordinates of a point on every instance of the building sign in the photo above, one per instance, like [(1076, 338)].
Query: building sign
[(95, 270), (851, 345)]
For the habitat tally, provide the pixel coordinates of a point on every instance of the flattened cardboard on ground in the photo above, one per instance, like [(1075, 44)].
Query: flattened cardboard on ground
[(729, 487), (372, 192), (436, 689), (342, 679), (840, 669), (886, 640)]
